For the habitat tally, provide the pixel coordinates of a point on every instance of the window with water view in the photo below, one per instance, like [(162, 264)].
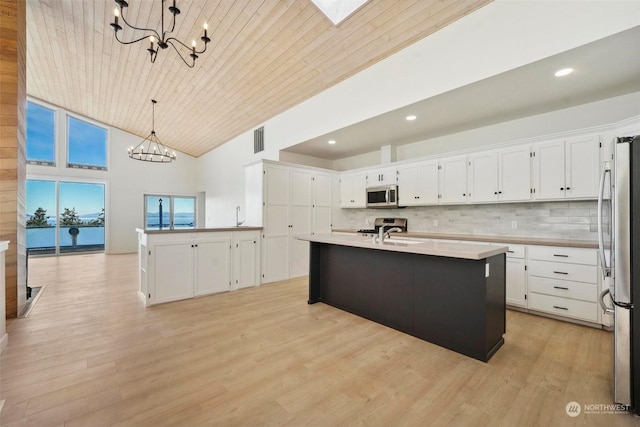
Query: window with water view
[(169, 212)]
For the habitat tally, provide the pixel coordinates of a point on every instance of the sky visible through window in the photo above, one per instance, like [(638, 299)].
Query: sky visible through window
[(40, 133), (87, 144)]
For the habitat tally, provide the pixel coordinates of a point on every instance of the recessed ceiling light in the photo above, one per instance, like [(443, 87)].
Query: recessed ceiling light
[(411, 118), (563, 72), (331, 141)]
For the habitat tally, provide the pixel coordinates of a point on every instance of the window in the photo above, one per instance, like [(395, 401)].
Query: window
[(169, 212), (65, 217), (86, 145), (40, 135)]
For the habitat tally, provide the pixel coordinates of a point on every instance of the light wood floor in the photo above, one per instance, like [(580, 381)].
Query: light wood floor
[(90, 354)]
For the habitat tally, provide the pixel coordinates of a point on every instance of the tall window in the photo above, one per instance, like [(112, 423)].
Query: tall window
[(65, 216), (40, 135), (169, 212), (86, 145)]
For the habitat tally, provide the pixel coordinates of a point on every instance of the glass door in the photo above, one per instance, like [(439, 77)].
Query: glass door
[(169, 212)]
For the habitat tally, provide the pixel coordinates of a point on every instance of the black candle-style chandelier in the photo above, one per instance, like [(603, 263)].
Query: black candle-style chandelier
[(160, 38), (151, 149)]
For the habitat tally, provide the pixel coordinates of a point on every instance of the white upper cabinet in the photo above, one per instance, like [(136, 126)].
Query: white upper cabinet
[(353, 190), (453, 180), (418, 184), (514, 174), (383, 176), (500, 175), (566, 169), (582, 167), (483, 176)]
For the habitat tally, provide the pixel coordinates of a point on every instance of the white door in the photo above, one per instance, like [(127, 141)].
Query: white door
[(275, 263), (212, 265), (514, 166), (427, 183), (516, 282), (173, 271), (582, 166), (408, 185), (548, 172), (483, 177), (453, 180), (245, 250)]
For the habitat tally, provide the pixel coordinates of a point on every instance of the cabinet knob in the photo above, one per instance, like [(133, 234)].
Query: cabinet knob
[(464, 194), (561, 188), (499, 192), (495, 192), (568, 188)]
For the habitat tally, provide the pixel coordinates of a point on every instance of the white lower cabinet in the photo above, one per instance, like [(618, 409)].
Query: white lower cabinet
[(564, 282), (516, 276), (176, 266)]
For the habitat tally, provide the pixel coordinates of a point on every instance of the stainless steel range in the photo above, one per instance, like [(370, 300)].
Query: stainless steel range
[(386, 223)]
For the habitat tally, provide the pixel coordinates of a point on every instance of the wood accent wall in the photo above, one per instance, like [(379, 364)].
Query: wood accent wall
[(13, 95)]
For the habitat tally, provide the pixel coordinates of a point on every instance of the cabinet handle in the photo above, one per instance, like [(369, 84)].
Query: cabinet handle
[(562, 188), (560, 272), (560, 308), (561, 255), (510, 252), (568, 188), (499, 192), (495, 192), (561, 287)]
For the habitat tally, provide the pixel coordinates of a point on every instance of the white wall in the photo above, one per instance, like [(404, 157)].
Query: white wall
[(498, 37), (126, 180)]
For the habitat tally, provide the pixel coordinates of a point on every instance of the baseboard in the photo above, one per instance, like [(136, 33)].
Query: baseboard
[(4, 341)]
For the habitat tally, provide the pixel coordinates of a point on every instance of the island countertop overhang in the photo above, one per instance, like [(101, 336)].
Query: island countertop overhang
[(435, 248), (198, 230)]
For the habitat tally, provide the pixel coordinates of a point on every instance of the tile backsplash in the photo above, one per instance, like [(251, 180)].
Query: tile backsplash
[(575, 220)]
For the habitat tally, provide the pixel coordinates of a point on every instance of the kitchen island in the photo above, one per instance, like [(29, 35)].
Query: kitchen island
[(450, 294), (186, 263)]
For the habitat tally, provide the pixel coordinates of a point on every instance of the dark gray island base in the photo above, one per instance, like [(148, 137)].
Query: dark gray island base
[(453, 302)]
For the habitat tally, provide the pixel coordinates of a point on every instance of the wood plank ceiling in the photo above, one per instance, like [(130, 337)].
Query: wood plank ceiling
[(265, 57)]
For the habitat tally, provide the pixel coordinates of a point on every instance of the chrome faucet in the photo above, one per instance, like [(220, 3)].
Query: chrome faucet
[(382, 234), (238, 222)]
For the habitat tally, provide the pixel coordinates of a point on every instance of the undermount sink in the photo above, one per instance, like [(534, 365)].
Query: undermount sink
[(400, 242)]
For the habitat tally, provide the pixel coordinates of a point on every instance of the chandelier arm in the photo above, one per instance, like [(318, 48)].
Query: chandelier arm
[(169, 41), (185, 46), (131, 42), (138, 28)]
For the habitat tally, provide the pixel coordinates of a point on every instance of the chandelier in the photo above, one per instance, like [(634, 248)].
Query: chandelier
[(151, 149), (160, 40)]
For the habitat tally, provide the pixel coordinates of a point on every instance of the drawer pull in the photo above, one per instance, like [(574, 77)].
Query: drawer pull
[(510, 252), (562, 256), (560, 272), (560, 308), (561, 287)]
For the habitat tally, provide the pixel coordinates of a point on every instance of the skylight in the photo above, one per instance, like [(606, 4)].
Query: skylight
[(338, 10)]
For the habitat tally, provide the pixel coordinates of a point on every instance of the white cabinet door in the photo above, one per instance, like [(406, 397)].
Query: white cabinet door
[(353, 190), (276, 186), (582, 160), (173, 271), (382, 176), (514, 167), (408, 185), (275, 258), (321, 208), (212, 265), (516, 280), (453, 180), (245, 260), (428, 183), (300, 217), (548, 172), (483, 176)]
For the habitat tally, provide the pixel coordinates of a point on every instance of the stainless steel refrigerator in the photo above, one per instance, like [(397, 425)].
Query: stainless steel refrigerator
[(619, 241)]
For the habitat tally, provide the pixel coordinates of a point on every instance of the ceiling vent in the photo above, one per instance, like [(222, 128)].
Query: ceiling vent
[(258, 140)]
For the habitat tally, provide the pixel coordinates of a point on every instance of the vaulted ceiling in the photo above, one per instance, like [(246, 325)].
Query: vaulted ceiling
[(265, 56)]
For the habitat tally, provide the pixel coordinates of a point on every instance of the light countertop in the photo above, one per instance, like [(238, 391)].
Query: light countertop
[(496, 239), (198, 230), (437, 248)]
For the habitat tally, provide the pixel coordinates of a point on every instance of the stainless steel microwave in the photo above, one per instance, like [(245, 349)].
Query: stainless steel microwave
[(383, 196)]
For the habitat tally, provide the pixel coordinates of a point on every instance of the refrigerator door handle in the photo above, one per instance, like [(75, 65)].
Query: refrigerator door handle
[(605, 309), (606, 269)]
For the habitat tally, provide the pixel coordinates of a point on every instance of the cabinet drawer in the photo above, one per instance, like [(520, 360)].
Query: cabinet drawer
[(515, 251), (562, 271), (564, 288), (560, 254), (582, 310)]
